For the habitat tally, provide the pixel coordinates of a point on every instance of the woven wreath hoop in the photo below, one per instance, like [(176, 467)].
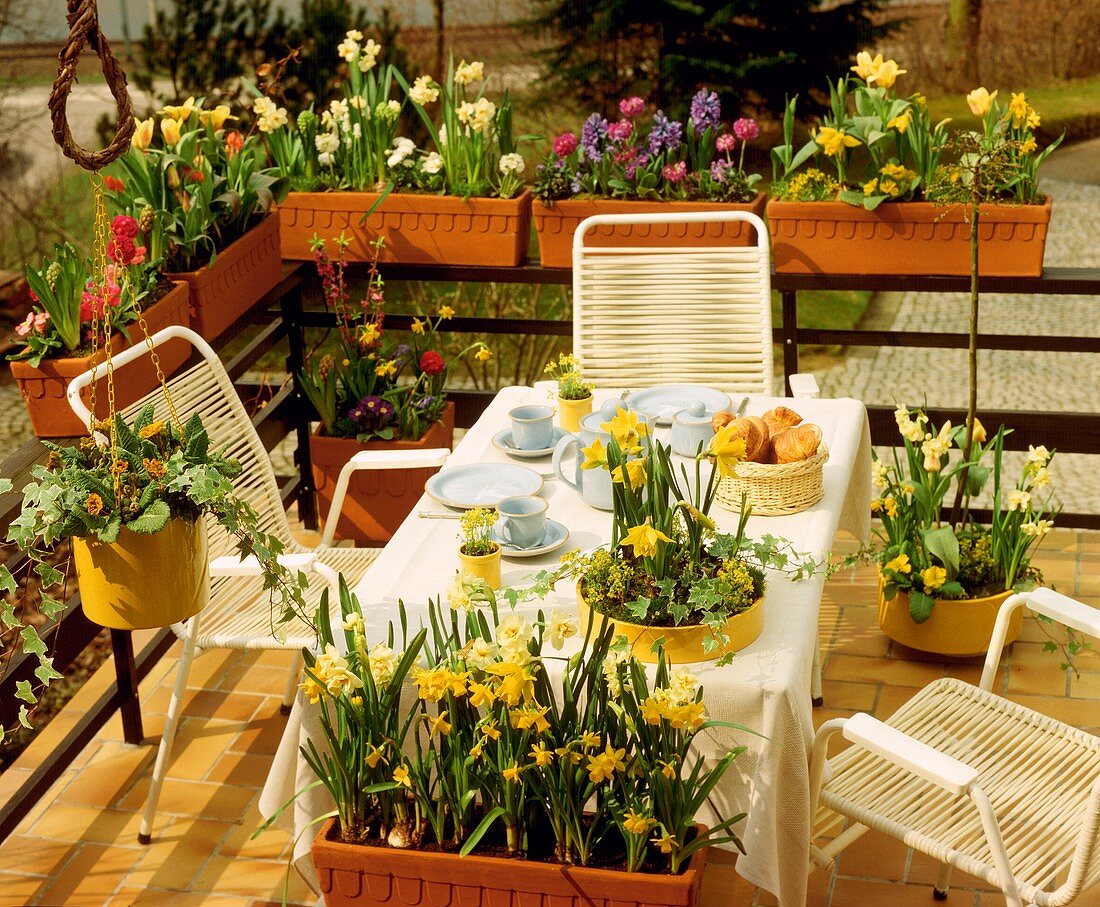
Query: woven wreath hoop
[(775, 489)]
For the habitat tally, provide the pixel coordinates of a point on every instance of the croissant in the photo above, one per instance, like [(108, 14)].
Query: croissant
[(798, 443), (753, 431), (780, 419), (721, 419)]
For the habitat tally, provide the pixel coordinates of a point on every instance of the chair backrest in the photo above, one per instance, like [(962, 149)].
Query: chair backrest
[(645, 316), (205, 389)]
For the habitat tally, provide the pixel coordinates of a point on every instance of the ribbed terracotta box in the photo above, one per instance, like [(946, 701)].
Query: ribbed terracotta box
[(243, 272), (556, 222), (908, 238), (44, 388), (417, 229), (377, 501), (356, 876)]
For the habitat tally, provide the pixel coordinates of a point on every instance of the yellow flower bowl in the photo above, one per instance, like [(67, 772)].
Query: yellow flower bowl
[(958, 627), (483, 566), (570, 413), (683, 645)]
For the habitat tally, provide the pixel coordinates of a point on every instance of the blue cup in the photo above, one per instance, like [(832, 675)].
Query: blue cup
[(532, 427), (524, 520)]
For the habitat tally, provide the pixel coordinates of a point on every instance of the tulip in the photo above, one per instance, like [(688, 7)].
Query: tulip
[(182, 113), (886, 74), (215, 118), (979, 101), (143, 134), (866, 67), (170, 129)]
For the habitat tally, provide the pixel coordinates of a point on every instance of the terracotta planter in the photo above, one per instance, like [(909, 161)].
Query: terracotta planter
[(556, 223), (483, 566), (243, 272), (910, 238), (570, 413), (43, 388), (418, 229), (376, 502), (684, 644), (957, 627), (114, 579), (355, 876)]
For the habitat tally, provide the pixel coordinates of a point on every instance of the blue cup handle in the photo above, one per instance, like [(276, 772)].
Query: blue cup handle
[(560, 453)]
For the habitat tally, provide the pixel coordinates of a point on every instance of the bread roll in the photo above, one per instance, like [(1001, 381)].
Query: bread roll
[(798, 443), (754, 433), (780, 419), (722, 418)]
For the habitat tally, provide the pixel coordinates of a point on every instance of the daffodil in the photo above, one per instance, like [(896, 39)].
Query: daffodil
[(595, 455), (643, 539), (417, 327), (834, 141), (438, 725), (665, 842), (1018, 108), (635, 473), (602, 766), (484, 354), (481, 694), (901, 122), (636, 824), (374, 756), (541, 755), (512, 773), (727, 448), (401, 776), (1018, 500), (446, 312), (626, 428)]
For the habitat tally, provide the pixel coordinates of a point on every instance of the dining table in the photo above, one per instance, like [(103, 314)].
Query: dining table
[(765, 688)]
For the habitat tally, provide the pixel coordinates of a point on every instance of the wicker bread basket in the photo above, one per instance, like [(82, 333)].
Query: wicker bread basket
[(775, 489)]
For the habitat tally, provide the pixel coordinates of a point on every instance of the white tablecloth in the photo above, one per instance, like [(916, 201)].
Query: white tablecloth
[(766, 688)]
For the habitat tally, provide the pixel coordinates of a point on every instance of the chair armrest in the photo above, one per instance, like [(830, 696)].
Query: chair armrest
[(804, 385), (919, 758), (1065, 610), (231, 565)]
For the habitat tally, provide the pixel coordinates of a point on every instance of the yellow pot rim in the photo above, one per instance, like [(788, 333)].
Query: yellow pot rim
[(481, 557), (686, 628)]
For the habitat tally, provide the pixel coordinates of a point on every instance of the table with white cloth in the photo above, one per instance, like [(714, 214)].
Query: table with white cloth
[(765, 688)]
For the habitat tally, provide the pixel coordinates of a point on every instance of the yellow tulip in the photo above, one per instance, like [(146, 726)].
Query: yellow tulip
[(886, 74), (170, 129), (866, 67), (143, 134), (979, 101), (215, 118), (181, 113), (834, 141), (901, 122)]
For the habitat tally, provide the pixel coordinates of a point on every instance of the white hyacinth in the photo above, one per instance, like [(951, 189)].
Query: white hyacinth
[(511, 163)]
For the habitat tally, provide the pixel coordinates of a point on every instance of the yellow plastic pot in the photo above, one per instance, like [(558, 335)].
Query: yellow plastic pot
[(570, 413), (957, 627), (684, 644), (483, 566), (144, 581)]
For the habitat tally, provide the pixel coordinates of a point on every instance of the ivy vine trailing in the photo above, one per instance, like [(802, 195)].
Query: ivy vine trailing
[(153, 472)]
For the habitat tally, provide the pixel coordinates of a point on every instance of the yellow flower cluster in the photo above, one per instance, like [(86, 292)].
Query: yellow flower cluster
[(680, 715), (602, 766), (876, 70), (329, 673)]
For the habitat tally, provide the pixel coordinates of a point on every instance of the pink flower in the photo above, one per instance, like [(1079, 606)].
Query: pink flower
[(565, 144), (26, 326), (745, 129), (41, 321), (674, 173), (632, 107), (725, 143), (620, 131), (124, 226)]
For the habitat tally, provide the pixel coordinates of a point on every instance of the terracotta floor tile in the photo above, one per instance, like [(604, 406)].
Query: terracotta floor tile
[(723, 887), (842, 694), (275, 658), (110, 775), (35, 856), (1084, 686), (267, 681), (205, 704), (209, 669), (91, 876), (263, 732), (199, 745), (155, 897), (17, 889), (862, 893), (92, 823), (924, 870), (252, 878), (273, 844), (177, 854), (241, 769), (874, 856), (1037, 680), (194, 799), (881, 670), (891, 698)]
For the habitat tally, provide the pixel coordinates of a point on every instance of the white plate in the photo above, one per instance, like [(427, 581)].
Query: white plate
[(665, 400), (553, 538), (502, 440), (482, 484)]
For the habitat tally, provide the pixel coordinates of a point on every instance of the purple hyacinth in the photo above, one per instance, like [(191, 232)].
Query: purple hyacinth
[(635, 165), (592, 136), (401, 354), (371, 413), (666, 134), (424, 402), (718, 170), (706, 110)]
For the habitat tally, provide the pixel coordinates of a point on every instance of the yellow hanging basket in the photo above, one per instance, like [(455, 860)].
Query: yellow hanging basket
[(144, 581), (683, 644)]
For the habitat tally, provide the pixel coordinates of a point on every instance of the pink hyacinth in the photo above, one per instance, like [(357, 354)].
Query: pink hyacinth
[(620, 131), (632, 107), (746, 129), (726, 143), (565, 144), (674, 173)]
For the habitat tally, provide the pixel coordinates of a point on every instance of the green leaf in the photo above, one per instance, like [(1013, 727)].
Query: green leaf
[(153, 520), (49, 575), (920, 606), (942, 544), (23, 691), (32, 643), (483, 826), (24, 719), (45, 672), (7, 581), (50, 606)]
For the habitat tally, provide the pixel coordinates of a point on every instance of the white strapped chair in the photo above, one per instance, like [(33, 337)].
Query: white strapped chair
[(239, 614), (975, 781), (695, 315)]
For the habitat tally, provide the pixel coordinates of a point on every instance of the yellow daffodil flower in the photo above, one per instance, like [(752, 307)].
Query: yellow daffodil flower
[(541, 755), (401, 776), (374, 756), (901, 122), (530, 718), (484, 354), (477, 750), (727, 449), (438, 725), (979, 101), (870, 186), (490, 730), (635, 473), (637, 824), (481, 694), (1018, 108), (665, 843), (512, 773), (643, 539), (386, 369), (668, 769), (602, 766), (595, 455), (516, 682), (417, 327), (446, 312), (626, 428), (834, 141), (933, 578), (590, 740)]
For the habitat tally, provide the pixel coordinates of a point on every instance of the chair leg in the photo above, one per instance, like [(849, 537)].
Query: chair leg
[(943, 883), (164, 751), (817, 697), (292, 685)]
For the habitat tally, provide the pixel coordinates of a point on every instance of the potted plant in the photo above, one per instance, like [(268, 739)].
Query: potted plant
[(943, 575), (463, 769), (478, 554), (372, 393), (889, 204), (205, 207), (574, 393), (669, 575), (457, 203), (134, 510), (69, 295), (623, 167)]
